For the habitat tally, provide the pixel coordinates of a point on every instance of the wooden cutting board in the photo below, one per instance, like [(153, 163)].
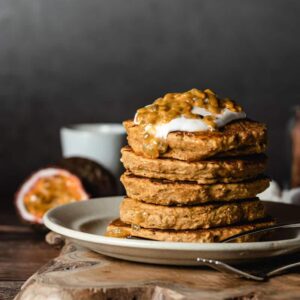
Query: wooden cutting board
[(78, 273)]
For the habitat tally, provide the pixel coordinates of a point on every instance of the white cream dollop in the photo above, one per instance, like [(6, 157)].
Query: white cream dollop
[(192, 125)]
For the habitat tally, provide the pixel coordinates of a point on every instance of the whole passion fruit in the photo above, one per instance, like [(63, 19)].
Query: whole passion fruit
[(97, 180), (45, 189)]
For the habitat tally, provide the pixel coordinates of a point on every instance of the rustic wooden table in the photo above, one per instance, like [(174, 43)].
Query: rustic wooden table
[(22, 252), (78, 273)]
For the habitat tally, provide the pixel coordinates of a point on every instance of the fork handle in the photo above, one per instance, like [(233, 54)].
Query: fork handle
[(283, 269)]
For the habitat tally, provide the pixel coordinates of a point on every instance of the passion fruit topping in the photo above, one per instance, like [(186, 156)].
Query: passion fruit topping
[(46, 189)]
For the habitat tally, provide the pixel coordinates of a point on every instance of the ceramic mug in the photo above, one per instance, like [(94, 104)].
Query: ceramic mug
[(99, 142)]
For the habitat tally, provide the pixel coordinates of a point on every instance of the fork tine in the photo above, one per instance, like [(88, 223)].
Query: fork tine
[(225, 268)]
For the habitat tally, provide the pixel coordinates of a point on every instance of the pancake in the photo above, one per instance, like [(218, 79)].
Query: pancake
[(242, 137), (119, 229), (204, 172), (190, 217), (165, 192)]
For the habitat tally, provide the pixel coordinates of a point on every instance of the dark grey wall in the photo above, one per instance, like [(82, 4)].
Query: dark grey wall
[(72, 61)]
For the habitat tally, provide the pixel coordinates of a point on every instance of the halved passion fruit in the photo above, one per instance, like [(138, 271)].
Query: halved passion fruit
[(46, 189)]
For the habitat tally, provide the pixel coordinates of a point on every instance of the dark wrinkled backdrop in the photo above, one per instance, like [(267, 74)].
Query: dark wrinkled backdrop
[(76, 61)]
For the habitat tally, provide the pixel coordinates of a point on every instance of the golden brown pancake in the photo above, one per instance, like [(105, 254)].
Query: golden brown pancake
[(190, 217), (242, 137), (166, 192), (204, 172), (119, 229)]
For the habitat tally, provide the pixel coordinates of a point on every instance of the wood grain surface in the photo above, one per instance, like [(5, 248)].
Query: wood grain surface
[(78, 273), (22, 252)]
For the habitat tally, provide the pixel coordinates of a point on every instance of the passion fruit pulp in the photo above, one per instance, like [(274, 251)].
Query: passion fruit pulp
[(46, 189)]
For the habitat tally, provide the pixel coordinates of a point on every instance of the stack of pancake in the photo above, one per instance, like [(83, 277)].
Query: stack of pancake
[(201, 189)]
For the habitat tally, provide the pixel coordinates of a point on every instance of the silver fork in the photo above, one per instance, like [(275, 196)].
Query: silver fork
[(225, 268)]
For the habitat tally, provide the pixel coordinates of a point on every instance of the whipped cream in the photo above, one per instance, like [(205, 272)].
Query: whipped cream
[(192, 125)]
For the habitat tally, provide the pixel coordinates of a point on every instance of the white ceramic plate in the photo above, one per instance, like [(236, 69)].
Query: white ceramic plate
[(85, 223)]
